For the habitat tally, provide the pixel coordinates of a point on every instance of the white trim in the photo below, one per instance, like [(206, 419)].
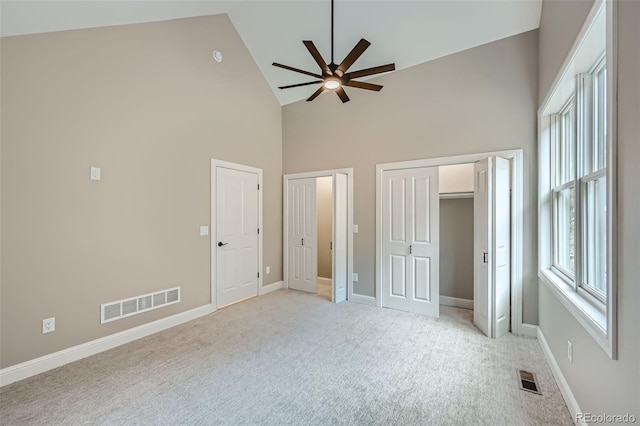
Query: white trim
[(565, 390), (270, 288), (362, 299), (517, 227), (456, 302), (324, 280), (214, 231), (529, 330), (48, 362), (285, 221), (454, 195)]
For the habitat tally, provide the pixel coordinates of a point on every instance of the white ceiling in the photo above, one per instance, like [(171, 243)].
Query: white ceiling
[(405, 32)]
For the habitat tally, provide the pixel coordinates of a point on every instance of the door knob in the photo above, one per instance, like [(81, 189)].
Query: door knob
[(220, 244)]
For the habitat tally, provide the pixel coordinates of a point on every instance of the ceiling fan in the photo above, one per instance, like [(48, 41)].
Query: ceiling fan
[(335, 77)]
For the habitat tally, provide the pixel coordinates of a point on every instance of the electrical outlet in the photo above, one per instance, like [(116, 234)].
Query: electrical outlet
[(355, 277), (569, 351), (355, 229), (204, 230), (48, 325), (268, 269)]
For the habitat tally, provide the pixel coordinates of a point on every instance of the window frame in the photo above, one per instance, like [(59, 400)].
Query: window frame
[(596, 314)]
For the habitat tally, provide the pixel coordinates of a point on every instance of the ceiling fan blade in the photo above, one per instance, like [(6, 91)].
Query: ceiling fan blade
[(342, 94), (316, 55), (301, 84), (371, 71), (352, 56), (363, 85), (286, 67), (316, 93)]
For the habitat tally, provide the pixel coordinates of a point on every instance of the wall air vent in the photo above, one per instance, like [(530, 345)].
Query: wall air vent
[(135, 305), (528, 382)]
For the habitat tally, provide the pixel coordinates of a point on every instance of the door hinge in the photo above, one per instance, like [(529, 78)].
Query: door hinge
[(258, 187), (258, 230), (258, 274), (330, 245), (410, 249), (303, 241), (484, 257)]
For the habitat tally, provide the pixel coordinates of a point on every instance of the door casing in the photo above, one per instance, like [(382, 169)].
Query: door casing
[(285, 221), (517, 227), (213, 229)]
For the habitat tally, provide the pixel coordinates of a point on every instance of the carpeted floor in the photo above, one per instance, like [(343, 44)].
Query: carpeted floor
[(324, 289), (292, 358)]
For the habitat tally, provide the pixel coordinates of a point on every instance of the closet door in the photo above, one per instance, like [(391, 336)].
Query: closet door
[(303, 251), (492, 253), (340, 237), (410, 246)]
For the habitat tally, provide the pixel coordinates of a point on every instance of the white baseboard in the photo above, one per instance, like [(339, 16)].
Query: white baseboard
[(324, 280), (362, 299), (528, 330), (456, 302), (271, 287), (57, 359), (565, 390)]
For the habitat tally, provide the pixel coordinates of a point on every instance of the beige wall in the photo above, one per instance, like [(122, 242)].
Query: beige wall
[(148, 105), (482, 99), (324, 207), (602, 385), (456, 248)]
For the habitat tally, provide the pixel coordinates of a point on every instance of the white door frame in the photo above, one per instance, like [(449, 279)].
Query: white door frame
[(517, 236), (213, 234), (285, 221)]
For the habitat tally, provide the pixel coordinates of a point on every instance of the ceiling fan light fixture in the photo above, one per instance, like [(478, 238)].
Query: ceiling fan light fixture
[(334, 76), (332, 83)]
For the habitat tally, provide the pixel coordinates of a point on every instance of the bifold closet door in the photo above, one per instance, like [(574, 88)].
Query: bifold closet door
[(302, 238), (410, 245)]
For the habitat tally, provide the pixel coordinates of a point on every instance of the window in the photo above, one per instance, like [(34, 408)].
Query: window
[(577, 196), (578, 168)]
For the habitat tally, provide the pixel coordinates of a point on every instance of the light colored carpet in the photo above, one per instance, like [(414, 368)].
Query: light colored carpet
[(324, 289), (291, 358)]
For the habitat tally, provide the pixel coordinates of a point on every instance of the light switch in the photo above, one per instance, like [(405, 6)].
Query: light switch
[(204, 230), (95, 173), (268, 269), (355, 229), (355, 277)]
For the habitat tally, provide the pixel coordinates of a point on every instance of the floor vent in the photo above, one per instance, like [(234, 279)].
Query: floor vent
[(136, 305), (528, 382)]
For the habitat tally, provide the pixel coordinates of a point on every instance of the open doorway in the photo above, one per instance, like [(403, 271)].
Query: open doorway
[(456, 235), (318, 238), (475, 249), (324, 226)]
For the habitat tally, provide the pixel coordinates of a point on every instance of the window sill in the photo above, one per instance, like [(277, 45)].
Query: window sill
[(586, 312)]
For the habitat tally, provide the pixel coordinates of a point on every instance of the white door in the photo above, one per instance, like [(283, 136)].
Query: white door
[(303, 251), (410, 245), (340, 235), (237, 234), (492, 213)]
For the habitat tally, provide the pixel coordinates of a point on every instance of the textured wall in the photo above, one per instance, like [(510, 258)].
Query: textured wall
[(482, 99), (148, 105), (602, 385)]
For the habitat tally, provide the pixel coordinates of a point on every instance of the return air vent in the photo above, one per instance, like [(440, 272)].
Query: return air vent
[(528, 382), (135, 305)]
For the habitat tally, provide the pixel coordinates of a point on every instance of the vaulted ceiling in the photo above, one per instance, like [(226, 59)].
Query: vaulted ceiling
[(405, 32)]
